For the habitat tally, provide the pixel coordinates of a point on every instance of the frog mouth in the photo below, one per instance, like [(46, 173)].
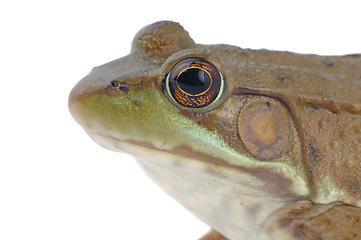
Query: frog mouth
[(140, 149), (182, 157), (190, 160)]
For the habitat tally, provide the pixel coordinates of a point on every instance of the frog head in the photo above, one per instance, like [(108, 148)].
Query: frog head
[(191, 114)]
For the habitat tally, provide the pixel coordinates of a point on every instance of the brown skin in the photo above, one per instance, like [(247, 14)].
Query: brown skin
[(324, 102), (304, 110)]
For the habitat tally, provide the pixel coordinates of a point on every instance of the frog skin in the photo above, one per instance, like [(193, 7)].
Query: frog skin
[(267, 146)]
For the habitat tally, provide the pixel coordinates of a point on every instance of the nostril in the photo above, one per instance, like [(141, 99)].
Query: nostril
[(115, 83), (120, 85)]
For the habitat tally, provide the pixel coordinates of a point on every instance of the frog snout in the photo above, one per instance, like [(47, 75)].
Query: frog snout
[(76, 103), (91, 100)]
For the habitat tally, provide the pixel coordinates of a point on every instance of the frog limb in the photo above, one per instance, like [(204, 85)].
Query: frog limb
[(213, 235), (313, 221)]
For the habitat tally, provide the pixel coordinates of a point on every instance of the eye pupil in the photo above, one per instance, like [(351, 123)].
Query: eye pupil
[(194, 81)]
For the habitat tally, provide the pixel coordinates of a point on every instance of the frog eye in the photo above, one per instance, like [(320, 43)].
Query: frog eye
[(194, 83)]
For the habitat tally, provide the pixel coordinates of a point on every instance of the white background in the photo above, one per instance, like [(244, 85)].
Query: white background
[(55, 183)]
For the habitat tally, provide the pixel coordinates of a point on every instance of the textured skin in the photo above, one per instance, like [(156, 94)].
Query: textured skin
[(298, 179), (323, 99)]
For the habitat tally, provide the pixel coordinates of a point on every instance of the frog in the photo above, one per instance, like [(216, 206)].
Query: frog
[(258, 144)]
